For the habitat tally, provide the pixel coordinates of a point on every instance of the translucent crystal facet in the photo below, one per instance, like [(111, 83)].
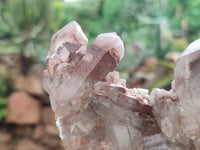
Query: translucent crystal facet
[(94, 110), (177, 111)]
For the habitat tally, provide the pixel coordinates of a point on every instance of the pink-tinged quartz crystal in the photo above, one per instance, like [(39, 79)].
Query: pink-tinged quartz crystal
[(177, 111), (93, 108), (160, 142)]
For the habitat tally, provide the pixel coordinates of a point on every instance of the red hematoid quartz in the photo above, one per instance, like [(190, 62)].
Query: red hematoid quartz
[(95, 111)]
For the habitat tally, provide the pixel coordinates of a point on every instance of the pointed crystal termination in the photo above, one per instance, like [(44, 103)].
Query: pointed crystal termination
[(187, 77), (79, 63), (93, 108), (112, 43), (71, 33), (177, 111), (68, 42)]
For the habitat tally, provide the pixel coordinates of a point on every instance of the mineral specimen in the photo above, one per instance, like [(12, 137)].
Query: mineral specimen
[(177, 111), (94, 110)]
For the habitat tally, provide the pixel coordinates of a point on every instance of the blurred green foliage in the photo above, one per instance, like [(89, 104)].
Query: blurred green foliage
[(147, 27), (27, 25), (23, 25), (165, 80), (3, 112), (3, 87), (3, 101)]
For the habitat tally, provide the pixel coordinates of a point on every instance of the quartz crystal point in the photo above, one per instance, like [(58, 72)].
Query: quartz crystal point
[(93, 108), (178, 111)]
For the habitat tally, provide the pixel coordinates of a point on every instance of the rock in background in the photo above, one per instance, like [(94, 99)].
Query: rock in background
[(29, 124)]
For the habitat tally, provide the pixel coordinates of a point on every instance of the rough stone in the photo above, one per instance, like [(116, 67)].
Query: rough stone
[(48, 115), (23, 109), (28, 84), (52, 129), (23, 130), (26, 144), (5, 147), (36, 70), (38, 132), (51, 141), (5, 137)]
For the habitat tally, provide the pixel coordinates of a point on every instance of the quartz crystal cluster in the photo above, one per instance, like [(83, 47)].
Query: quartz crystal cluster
[(94, 110), (178, 111)]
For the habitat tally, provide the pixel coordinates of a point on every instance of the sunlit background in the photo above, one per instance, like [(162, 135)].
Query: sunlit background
[(154, 32)]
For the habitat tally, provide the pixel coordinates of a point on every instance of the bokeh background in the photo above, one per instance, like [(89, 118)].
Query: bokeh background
[(154, 32)]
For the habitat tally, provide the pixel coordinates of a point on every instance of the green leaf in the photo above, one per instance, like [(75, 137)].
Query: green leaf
[(7, 47), (3, 114), (124, 75), (165, 81), (3, 87), (166, 64), (3, 102)]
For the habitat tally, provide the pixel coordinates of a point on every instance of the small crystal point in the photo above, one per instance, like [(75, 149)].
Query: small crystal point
[(187, 71), (110, 42), (187, 78), (71, 33)]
